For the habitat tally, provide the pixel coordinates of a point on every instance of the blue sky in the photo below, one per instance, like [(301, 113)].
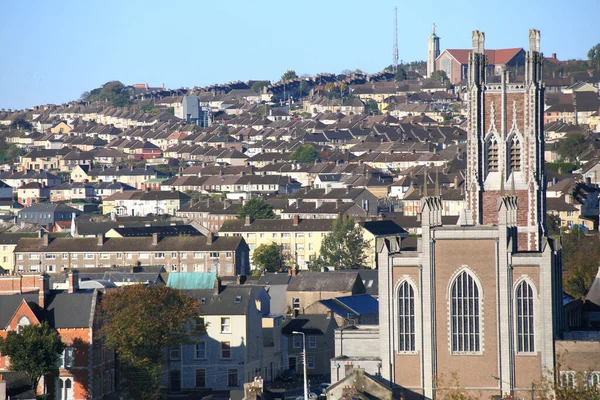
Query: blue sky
[(55, 50)]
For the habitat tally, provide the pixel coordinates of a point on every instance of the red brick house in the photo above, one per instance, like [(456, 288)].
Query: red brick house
[(87, 370)]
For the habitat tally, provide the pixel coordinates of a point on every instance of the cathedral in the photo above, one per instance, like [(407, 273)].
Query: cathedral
[(478, 304)]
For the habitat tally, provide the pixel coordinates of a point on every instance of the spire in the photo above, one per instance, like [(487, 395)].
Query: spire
[(433, 29)]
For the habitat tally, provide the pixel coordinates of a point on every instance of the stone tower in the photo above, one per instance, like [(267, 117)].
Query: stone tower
[(505, 143), (433, 51)]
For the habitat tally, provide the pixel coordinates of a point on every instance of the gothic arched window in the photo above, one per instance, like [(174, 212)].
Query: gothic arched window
[(514, 154), (525, 321), (406, 317), (492, 154), (465, 314)]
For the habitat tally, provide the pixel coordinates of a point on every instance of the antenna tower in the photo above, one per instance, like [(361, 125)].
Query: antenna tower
[(395, 50)]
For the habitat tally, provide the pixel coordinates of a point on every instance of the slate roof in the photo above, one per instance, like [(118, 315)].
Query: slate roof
[(162, 230), (384, 228), (233, 300), (310, 324), (170, 243), (323, 281), (277, 225)]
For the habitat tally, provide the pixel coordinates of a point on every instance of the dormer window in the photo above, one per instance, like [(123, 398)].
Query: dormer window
[(24, 321)]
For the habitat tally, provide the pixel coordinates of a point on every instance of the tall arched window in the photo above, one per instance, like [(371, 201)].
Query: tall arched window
[(465, 314), (514, 154), (524, 315), (406, 317), (492, 154)]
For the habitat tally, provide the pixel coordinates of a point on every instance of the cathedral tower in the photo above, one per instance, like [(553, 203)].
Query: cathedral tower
[(433, 52), (505, 143)]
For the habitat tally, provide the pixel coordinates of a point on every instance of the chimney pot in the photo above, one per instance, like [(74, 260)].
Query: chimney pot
[(154, 238)]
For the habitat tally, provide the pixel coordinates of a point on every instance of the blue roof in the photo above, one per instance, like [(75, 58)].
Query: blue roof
[(191, 280), (358, 305)]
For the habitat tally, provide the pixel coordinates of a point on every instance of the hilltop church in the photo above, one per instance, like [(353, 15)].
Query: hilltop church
[(478, 304)]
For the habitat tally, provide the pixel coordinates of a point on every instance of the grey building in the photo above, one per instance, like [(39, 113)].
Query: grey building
[(46, 214)]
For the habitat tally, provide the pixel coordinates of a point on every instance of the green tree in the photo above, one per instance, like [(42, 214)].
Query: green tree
[(21, 123), (141, 322), (289, 75), (553, 223), (259, 85), (9, 151), (373, 107), (303, 89), (400, 75), (594, 56), (581, 257), (305, 154), (269, 257), (344, 247), (571, 146), (36, 351), (257, 208), (439, 75)]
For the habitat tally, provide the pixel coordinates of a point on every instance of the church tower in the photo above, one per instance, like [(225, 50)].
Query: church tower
[(433, 52), (479, 304), (505, 143)]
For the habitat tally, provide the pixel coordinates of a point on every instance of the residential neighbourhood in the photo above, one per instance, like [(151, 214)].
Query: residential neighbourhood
[(426, 229)]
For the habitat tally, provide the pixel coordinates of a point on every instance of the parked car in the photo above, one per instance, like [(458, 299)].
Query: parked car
[(323, 387)]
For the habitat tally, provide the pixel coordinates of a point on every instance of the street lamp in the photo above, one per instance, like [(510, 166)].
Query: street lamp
[(303, 361)]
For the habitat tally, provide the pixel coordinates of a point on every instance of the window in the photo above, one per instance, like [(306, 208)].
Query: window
[(225, 349), (200, 378), (285, 246), (300, 246), (296, 303), (173, 267), (24, 321), (200, 353), (406, 317), (593, 379), (228, 254), (88, 256), (285, 235), (492, 154), (567, 380), (312, 342), (514, 153), (174, 255), (214, 254), (174, 354), (524, 315), (50, 268), (232, 377), (310, 362), (66, 358), (34, 256), (50, 256), (299, 235), (274, 235), (74, 256), (365, 204), (251, 235), (159, 255), (311, 247), (144, 256), (65, 256), (297, 341), (19, 256), (225, 325), (104, 256), (464, 314)]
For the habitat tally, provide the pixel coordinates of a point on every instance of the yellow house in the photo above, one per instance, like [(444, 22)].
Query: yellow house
[(376, 231), (301, 238), (61, 127)]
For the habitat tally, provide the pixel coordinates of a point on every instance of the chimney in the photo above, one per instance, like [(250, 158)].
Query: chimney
[(154, 238), (338, 203), (43, 289), (73, 278), (100, 238), (248, 221), (455, 181), (296, 220), (553, 55), (218, 287), (45, 239), (348, 189), (210, 238)]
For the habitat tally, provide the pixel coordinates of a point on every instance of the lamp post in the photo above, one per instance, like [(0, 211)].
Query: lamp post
[(303, 361)]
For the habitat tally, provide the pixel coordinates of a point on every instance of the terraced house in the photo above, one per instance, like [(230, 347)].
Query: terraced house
[(225, 256)]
